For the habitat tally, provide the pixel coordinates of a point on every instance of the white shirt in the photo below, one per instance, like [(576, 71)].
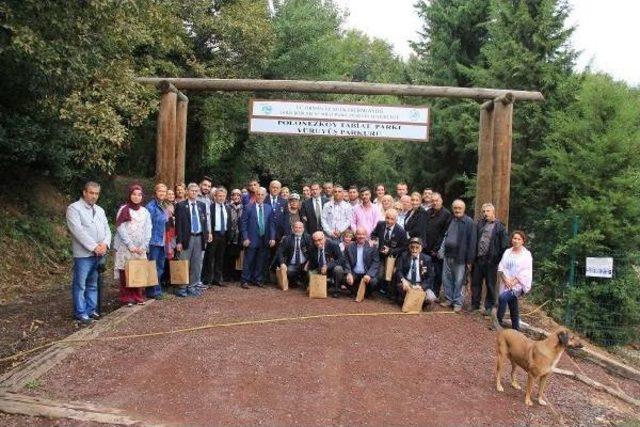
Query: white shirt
[(220, 221), (415, 263), (359, 267), (297, 245)]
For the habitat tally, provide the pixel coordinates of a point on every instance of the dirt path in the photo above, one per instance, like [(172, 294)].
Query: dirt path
[(435, 369)]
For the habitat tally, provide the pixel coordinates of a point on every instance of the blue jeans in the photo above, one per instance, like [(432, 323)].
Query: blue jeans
[(453, 278), (509, 298), (156, 253), (84, 287)]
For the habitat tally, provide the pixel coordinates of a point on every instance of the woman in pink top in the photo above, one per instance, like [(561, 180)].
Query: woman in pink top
[(515, 273)]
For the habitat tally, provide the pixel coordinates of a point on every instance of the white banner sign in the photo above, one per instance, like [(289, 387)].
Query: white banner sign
[(599, 267), (339, 120)]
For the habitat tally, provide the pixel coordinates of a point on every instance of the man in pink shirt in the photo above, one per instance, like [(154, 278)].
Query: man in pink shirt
[(365, 215)]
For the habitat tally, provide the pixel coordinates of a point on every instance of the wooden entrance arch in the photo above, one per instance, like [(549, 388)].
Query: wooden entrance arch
[(496, 117)]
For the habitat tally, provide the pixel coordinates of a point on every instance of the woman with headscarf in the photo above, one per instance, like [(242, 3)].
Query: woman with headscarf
[(133, 234)]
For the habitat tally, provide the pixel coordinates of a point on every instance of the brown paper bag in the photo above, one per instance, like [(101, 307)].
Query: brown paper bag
[(388, 268), (140, 273), (413, 300), (179, 272), (281, 277), (317, 285), (362, 289), (240, 261)]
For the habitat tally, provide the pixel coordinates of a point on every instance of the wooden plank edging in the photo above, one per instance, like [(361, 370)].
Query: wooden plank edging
[(34, 368)]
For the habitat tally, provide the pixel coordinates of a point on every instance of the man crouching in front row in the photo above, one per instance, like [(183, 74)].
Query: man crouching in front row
[(293, 254), (326, 258), (415, 269), (362, 264)]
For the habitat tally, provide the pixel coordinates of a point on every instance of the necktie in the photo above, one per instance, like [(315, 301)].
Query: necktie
[(318, 211), (387, 235), (414, 271), (194, 219), (260, 221), (223, 223), (93, 211), (321, 258), (296, 256)]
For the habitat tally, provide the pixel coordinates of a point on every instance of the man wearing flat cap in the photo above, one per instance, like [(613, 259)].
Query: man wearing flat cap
[(414, 269), (291, 214)]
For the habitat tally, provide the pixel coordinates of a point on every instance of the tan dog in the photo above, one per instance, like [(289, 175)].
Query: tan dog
[(537, 358)]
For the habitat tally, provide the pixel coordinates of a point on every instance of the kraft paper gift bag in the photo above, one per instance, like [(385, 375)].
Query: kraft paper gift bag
[(388, 268), (179, 271), (413, 300), (140, 273), (283, 280), (317, 285), (362, 289), (152, 273), (240, 261)]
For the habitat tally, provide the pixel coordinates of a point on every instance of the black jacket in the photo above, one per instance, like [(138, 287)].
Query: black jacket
[(371, 260), (227, 228), (437, 223), (398, 242), (499, 240), (183, 223), (332, 254), (465, 252), (308, 215), (286, 248), (416, 226), (427, 272)]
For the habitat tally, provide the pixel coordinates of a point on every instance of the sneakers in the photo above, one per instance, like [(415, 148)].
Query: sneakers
[(445, 304), (457, 309), (85, 320), (245, 286), (94, 316), (182, 293), (194, 292)]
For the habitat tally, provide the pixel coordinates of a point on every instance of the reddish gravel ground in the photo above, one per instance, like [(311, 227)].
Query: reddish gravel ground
[(435, 369)]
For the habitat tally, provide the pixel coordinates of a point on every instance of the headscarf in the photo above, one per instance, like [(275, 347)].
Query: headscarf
[(125, 212)]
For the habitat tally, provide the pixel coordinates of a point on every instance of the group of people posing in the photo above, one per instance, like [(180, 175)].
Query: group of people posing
[(352, 235)]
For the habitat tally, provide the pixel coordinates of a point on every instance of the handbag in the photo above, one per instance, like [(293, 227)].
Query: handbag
[(140, 273)]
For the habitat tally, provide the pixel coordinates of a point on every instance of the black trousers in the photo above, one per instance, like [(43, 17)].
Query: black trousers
[(437, 270), (487, 271), (296, 274), (371, 287), (213, 262)]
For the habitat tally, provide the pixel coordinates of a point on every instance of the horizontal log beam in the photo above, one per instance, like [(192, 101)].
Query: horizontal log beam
[(359, 88)]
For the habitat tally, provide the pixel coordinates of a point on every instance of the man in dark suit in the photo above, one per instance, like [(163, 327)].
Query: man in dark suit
[(392, 241), (293, 253), (258, 234), (414, 269), (362, 263), (311, 211), (278, 206), (192, 235), (221, 227), (438, 219), (326, 258)]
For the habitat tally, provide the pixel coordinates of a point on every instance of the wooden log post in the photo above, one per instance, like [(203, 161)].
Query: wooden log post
[(181, 139), (502, 139), (484, 183), (166, 137)]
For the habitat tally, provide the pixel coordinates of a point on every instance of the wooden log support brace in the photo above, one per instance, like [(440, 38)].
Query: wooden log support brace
[(181, 140), (166, 137), (484, 185), (502, 141)]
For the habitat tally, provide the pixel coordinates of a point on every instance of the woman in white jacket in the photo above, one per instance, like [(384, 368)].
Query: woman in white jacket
[(515, 273), (133, 234)]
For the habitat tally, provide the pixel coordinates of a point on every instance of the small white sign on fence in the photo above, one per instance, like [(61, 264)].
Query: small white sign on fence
[(599, 267)]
